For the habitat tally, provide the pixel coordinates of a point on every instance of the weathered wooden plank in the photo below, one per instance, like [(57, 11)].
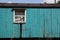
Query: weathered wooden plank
[(36, 20)]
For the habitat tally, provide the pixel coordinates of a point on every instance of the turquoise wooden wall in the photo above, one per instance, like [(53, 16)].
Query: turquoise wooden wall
[(36, 20)]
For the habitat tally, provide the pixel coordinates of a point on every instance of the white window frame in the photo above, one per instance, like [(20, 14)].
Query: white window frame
[(14, 16)]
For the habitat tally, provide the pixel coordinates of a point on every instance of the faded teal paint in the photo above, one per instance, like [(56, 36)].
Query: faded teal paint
[(36, 20), (6, 24)]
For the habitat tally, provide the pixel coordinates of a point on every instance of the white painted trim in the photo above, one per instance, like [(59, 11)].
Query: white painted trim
[(14, 16), (25, 16)]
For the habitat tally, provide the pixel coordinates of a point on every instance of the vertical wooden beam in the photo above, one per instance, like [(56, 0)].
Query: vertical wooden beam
[(20, 30)]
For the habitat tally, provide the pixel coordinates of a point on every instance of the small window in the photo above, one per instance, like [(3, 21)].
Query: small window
[(19, 16)]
